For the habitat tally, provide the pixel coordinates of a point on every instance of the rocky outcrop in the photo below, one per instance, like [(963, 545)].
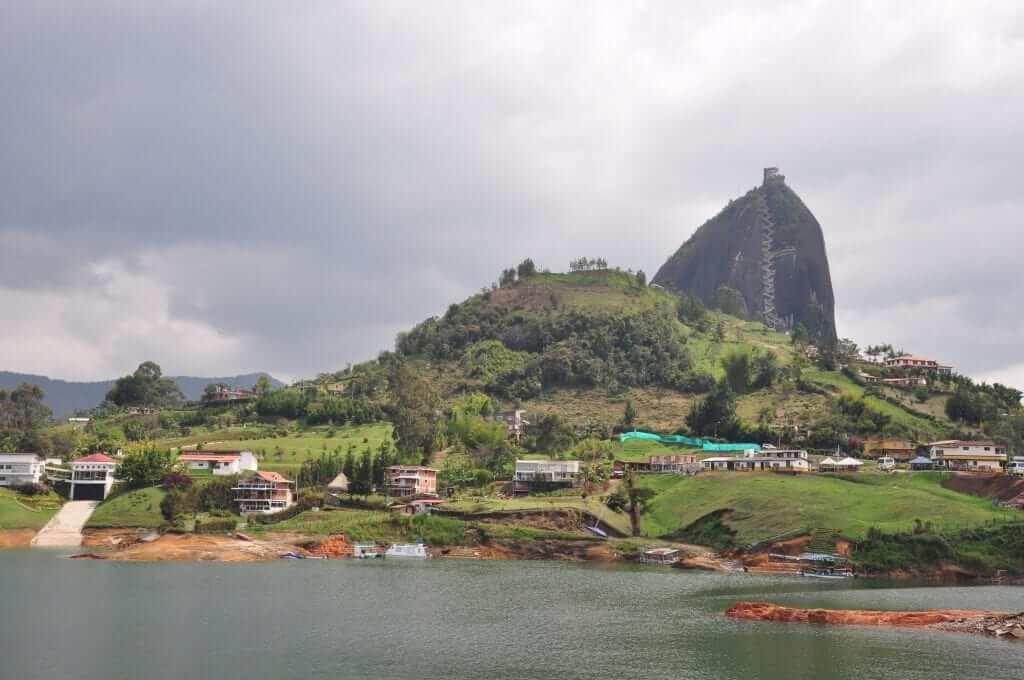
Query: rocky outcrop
[(763, 257), (997, 624)]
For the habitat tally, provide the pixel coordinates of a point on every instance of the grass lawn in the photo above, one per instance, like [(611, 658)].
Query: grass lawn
[(26, 512), (373, 525), (766, 505), (293, 448), (139, 508)]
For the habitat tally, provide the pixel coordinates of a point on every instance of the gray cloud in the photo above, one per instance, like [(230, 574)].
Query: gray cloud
[(284, 190)]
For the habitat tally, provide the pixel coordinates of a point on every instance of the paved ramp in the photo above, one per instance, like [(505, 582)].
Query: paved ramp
[(65, 528)]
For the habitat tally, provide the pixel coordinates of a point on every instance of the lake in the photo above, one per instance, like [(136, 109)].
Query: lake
[(461, 620)]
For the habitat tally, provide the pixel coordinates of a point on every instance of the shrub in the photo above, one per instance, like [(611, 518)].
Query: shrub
[(214, 526)]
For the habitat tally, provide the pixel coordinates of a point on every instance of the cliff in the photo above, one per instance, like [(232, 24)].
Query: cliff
[(762, 257)]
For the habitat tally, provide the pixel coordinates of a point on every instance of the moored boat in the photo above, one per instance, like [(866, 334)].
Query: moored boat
[(408, 550)]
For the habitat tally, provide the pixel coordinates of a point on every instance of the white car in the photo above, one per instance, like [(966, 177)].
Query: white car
[(886, 464), (1015, 467)]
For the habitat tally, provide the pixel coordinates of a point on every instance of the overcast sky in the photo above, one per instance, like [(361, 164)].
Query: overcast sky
[(283, 187)]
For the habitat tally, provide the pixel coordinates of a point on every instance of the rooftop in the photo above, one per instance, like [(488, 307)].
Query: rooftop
[(95, 458)]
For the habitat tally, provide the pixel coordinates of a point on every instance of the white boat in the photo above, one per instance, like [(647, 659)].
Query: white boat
[(412, 550), (366, 551)]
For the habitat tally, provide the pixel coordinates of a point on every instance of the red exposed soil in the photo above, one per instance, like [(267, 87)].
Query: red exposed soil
[(765, 611), (999, 487), (16, 538)]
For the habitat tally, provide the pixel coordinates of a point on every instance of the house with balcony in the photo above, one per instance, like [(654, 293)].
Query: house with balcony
[(531, 474), (410, 480), (92, 477), (18, 469), (968, 456), (219, 463), (264, 493), (881, 447), (907, 361)]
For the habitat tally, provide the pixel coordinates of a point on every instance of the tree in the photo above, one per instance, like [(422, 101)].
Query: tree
[(636, 498), (146, 387), (715, 413), (134, 430), (416, 413), (800, 335), (731, 301), (629, 414), (526, 268), (737, 371), (549, 434), (22, 418), (641, 277), (262, 386), (508, 277), (144, 465), (766, 370)]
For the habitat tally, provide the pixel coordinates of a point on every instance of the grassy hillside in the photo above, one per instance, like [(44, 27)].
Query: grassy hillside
[(140, 508), (20, 512), (766, 505)]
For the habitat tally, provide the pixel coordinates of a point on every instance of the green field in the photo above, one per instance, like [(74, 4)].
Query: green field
[(285, 454), (921, 425), (766, 505), (20, 512), (139, 508), (372, 525)]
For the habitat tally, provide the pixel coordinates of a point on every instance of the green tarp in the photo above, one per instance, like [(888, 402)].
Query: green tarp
[(694, 442)]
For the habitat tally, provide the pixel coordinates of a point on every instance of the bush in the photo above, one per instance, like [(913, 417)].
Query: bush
[(215, 526), (176, 480), (31, 489)]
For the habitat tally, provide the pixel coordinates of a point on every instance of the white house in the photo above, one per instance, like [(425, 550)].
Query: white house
[(956, 454), (92, 477), (17, 469), (778, 460), (220, 462), (550, 471)]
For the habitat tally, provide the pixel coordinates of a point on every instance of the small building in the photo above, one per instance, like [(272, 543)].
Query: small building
[(17, 469), (879, 447), (921, 463), (514, 421), (78, 423), (410, 480), (969, 456), (908, 361), (92, 477), (264, 493), (768, 460), (220, 463), (336, 389), (905, 383), (665, 556), (827, 465)]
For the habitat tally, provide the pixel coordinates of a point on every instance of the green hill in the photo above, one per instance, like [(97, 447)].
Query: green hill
[(579, 345), (764, 505)]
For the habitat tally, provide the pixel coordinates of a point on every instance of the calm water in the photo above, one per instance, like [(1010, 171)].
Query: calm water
[(459, 620)]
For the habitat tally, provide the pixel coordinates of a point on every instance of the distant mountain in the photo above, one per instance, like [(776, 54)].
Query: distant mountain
[(763, 257), (65, 397)]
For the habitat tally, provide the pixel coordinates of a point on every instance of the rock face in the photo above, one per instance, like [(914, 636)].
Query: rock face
[(762, 257)]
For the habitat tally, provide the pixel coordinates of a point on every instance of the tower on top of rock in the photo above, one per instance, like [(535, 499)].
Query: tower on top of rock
[(773, 175)]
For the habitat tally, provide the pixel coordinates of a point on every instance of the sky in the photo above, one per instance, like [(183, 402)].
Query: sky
[(231, 187)]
